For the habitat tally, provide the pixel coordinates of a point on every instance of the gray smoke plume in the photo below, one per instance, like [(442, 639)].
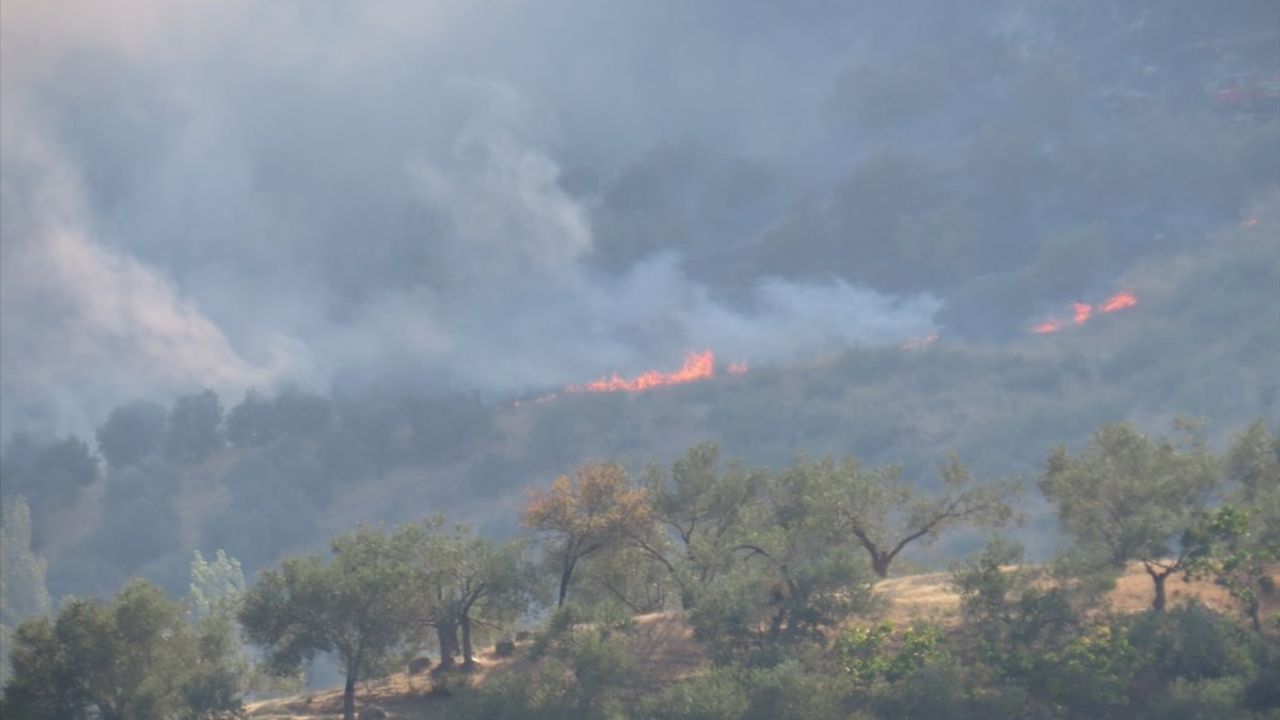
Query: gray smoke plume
[(237, 194)]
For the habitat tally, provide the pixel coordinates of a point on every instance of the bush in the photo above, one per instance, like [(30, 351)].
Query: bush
[(787, 692), (546, 693), (716, 695)]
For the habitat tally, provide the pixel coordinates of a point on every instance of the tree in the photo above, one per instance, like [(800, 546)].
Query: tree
[(794, 571), (595, 509), (22, 588), (702, 512), (358, 605), (818, 576), (1253, 469), (131, 433), (1237, 544), (23, 592), (195, 428), (1013, 622), (46, 472), (133, 659), (885, 515), (215, 586), (470, 580), (1223, 547), (252, 422), (1126, 497)]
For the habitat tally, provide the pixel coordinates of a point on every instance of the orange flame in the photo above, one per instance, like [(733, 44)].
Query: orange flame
[(1082, 311), (1119, 301), (738, 368), (697, 366)]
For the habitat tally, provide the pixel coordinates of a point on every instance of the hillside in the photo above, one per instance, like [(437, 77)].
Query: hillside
[(666, 650), (308, 466)]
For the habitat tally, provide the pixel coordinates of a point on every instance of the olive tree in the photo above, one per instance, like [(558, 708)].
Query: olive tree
[(358, 605), (1126, 497), (701, 512), (885, 514)]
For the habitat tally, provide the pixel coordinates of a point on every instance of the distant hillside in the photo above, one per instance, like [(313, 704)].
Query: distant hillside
[(304, 467)]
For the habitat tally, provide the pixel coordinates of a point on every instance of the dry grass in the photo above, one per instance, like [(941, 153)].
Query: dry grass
[(662, 643), (930, 597), (664, 646)]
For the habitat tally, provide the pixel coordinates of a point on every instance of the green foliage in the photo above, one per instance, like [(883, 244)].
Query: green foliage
[(22, 586), (47, 474), (884, 515), (1091, 676), (195, 428), (1236, 544), (869, 653), (132, 433), (1213, 699), (1126, 498), (545, 693), (788, 692), (133, 659), (730, 616), (1191, 643), (216, 587), (22, 576), (703, 514), (586, 672), (359, 606), (714, 695), (939, 688), (473, 584)]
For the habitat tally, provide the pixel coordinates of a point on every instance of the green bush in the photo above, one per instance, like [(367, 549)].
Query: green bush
[(715, 695)]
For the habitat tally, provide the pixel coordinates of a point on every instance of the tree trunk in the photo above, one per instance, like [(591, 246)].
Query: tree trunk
[(447, 636), (1158, 603), (775, 623), (565, 574), (349, 697), (467, 660), (880, 563), (1255, 615)]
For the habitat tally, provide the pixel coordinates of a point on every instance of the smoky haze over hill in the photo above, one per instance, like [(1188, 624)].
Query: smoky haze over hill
[(524, 195)]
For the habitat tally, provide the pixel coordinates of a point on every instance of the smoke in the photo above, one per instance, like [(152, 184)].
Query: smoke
[(82, 322), (237, 195)]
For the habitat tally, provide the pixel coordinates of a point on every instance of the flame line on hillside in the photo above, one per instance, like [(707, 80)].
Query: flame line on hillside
[(697, 366), (1082, 312)]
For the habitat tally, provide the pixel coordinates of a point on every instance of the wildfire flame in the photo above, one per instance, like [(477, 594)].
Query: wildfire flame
[(738, 368), (1081, 312), (1119, 301), (697, 366)]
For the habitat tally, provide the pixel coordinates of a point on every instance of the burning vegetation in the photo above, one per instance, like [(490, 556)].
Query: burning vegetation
[(1081, 312), (697, 366)]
